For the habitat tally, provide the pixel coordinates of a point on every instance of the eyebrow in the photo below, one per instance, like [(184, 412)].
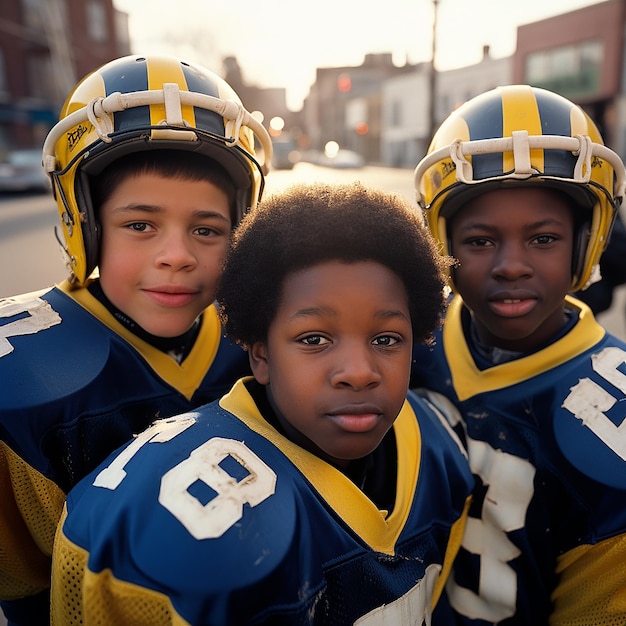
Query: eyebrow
[(151, 208), (328, 312), (544, 223)]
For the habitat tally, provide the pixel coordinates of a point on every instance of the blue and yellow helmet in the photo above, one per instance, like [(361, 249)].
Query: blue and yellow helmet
[(139, 103), (519, 135)]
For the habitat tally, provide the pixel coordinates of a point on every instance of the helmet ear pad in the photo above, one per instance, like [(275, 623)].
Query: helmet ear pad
[(90, 224), (582, 235)]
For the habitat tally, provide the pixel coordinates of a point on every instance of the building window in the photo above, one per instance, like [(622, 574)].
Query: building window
[(572, 71), (31, 11)]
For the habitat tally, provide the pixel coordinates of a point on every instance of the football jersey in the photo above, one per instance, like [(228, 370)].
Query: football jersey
[(76, 385), (214, 517), (545, 541)]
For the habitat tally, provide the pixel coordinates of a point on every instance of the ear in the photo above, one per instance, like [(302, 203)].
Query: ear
[(259, 362)]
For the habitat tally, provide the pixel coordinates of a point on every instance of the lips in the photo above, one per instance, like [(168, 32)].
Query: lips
[(512, 304), (356, 418), (171, 296)]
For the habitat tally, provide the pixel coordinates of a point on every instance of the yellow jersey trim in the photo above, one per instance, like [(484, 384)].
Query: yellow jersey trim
[(469, 381), (375, 528), (187, 376)]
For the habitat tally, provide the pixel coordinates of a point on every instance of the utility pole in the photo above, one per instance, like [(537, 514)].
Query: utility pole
[(433, 75)]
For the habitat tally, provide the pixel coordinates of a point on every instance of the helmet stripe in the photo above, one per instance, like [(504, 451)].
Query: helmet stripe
[(201, 83), (518, 103), (166, 70), (133, 78), (555, 120), (485, 126)]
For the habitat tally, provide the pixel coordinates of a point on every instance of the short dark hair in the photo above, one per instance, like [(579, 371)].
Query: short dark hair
[(311, 224), (175, 164)]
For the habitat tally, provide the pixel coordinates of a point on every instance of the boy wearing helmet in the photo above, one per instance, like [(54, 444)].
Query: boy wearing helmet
[(316, 492), (520, 189), (152, 164)]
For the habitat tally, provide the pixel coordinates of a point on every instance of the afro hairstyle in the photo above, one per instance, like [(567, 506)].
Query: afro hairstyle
[(307, 225)]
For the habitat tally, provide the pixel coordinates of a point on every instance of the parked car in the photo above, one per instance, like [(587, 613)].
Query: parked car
[(21, 170), (286, 154)]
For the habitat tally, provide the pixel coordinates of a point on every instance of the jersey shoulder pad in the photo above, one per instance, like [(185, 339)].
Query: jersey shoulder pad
[(589, 424), (207, 483), (49, 347)]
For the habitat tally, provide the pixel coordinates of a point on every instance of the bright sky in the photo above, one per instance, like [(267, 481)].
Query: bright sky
[(280, 43)]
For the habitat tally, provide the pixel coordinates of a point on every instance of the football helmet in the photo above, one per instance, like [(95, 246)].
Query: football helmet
[(515, 136), (138, 103)]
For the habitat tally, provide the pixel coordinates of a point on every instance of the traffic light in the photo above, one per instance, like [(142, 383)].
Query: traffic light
[(344, 83)]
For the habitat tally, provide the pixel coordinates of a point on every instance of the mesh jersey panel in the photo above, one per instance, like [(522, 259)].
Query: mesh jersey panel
[(33, 520), (592, 572), (143, 606)]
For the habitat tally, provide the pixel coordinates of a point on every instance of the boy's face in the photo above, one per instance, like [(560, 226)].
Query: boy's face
[(514, 248), (162, 245), (337, 357)]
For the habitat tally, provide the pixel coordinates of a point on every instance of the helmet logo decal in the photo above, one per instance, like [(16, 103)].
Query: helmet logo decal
[(437, 177), (447, 167), (73, 136)]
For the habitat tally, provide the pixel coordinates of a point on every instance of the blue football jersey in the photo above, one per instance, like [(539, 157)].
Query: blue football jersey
[(76, 385), (546, 538), (213, 517)]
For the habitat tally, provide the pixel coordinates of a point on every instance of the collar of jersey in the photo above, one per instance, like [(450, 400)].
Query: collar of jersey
[(373, 526), (469, 381), (186, 376)]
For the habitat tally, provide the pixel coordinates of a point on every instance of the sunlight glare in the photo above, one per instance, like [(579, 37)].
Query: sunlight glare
[(331, 149)]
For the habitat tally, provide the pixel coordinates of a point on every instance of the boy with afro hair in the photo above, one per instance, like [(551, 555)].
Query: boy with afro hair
[(316, 491)]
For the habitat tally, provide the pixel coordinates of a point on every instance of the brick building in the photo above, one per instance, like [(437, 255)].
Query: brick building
[(580, 55), (45, 47)]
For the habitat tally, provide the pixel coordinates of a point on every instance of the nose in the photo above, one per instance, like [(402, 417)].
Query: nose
[(511, 262), (175, 253), (355, 367)]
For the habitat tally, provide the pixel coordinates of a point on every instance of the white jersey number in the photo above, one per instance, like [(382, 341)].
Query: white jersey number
[(589, 402), (202, 521), (509, 482), (211, 520), (41, 316)]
